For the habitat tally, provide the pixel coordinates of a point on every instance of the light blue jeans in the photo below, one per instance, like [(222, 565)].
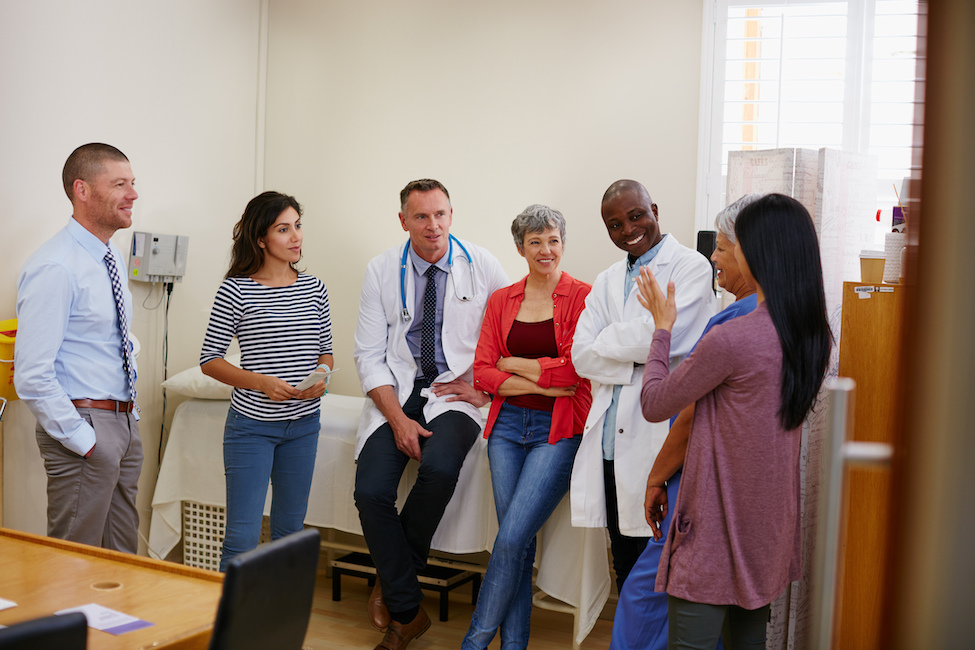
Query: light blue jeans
[(255, 451), (530, 476)]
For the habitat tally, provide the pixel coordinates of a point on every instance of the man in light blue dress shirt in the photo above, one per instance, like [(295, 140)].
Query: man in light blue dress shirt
[(70, 368)]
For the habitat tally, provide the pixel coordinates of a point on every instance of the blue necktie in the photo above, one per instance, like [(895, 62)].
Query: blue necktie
[(428, 329), (123, 324)]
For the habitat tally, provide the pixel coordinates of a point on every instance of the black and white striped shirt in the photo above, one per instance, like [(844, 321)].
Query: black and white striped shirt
[(281, 330)]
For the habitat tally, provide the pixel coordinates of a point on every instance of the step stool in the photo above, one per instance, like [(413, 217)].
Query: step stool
[(434, 578)]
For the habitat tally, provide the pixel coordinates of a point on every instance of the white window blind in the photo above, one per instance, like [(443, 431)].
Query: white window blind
[(812, 74)]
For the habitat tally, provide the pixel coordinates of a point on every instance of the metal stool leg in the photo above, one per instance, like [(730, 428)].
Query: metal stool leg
[(336, 584)]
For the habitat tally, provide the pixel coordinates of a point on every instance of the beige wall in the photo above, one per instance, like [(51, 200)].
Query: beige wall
[(172, 84), (508, 103)]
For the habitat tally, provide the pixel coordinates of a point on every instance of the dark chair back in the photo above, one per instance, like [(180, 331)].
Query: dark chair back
[(65, 632), (267, 595)]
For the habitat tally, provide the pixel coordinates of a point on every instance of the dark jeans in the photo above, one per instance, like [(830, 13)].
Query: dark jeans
[(626, 550), (400, 542)]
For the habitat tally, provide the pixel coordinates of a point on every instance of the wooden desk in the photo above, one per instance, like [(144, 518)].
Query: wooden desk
[(44, 575)]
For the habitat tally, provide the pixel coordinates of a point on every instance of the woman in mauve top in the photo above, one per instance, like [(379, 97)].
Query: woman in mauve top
[(733, 544), (536, 418), (640, 622)]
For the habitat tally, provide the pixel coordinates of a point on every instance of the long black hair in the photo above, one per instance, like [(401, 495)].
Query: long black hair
[(247, 256), (778, 240)]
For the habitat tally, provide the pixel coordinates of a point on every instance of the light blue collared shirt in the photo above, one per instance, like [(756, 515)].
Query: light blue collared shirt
[(68, 341), (609, 422), (420, 267)]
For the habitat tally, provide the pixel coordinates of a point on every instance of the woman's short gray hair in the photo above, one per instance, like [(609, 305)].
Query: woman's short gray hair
[(536, 218), (724, 223)]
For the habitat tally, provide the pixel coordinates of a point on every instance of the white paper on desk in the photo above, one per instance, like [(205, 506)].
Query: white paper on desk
[(7, 604), (108, 620)]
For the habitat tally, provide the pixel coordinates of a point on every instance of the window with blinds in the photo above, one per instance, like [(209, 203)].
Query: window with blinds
[(812, 74)]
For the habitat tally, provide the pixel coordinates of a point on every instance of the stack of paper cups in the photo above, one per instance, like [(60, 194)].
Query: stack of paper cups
[(893, 243)]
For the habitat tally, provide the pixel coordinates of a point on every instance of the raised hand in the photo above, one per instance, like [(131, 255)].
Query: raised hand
[(662, 307)]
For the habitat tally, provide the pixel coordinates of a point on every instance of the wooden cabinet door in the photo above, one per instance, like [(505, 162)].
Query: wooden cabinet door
[(870, 355)]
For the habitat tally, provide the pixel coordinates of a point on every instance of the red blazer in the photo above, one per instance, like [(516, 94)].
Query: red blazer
[(569, 413)]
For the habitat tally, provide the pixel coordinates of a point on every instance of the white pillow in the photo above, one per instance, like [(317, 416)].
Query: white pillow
[(193, 383)]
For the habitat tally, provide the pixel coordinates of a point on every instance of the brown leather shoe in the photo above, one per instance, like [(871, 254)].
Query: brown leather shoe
[(376, 608), (398, 636)]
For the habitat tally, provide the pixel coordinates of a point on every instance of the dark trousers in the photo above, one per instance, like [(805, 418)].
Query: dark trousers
[(626, 550), (399, 543), (694, 626)]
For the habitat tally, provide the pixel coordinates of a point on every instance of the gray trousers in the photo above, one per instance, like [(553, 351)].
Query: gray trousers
[(92, 500), (697, 626)]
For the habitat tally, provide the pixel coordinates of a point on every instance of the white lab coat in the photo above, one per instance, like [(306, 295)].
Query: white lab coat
[(611, 344), (382, 355)]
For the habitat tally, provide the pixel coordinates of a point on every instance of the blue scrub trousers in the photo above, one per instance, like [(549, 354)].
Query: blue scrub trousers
[(641, 613)]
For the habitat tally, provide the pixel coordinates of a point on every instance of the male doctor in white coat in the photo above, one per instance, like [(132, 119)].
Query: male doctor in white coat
[(420, 316), (611, 345)]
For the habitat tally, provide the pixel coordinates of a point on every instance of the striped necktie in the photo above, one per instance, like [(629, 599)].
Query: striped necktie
[(123, 324)]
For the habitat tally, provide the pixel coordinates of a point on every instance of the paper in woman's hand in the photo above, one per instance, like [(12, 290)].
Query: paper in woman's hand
[(312, 379)]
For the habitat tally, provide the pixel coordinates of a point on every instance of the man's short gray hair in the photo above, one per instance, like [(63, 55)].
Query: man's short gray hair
[(536, 218), (724, 223), (422, 185)]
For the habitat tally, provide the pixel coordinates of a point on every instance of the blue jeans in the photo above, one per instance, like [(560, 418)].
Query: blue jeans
[(530, 477), (253, 452)]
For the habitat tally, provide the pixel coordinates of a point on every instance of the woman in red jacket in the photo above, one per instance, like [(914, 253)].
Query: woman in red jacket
[(536, 419)]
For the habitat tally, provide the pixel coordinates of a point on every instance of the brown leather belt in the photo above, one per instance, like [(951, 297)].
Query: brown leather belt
[(103, 404)]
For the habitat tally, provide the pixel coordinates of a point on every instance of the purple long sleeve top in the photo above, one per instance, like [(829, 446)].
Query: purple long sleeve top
[(734, 536)]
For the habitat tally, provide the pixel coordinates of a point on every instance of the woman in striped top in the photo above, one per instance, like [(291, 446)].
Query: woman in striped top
[(281, 320)]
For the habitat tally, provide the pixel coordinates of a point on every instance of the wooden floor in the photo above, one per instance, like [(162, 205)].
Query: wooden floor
[(343, 625)]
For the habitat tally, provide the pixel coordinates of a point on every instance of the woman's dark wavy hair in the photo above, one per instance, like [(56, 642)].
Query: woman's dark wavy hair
[(778, 240), (246, 256)]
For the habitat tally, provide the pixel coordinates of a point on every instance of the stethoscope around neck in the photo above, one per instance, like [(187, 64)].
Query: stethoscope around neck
[(405, 314)]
